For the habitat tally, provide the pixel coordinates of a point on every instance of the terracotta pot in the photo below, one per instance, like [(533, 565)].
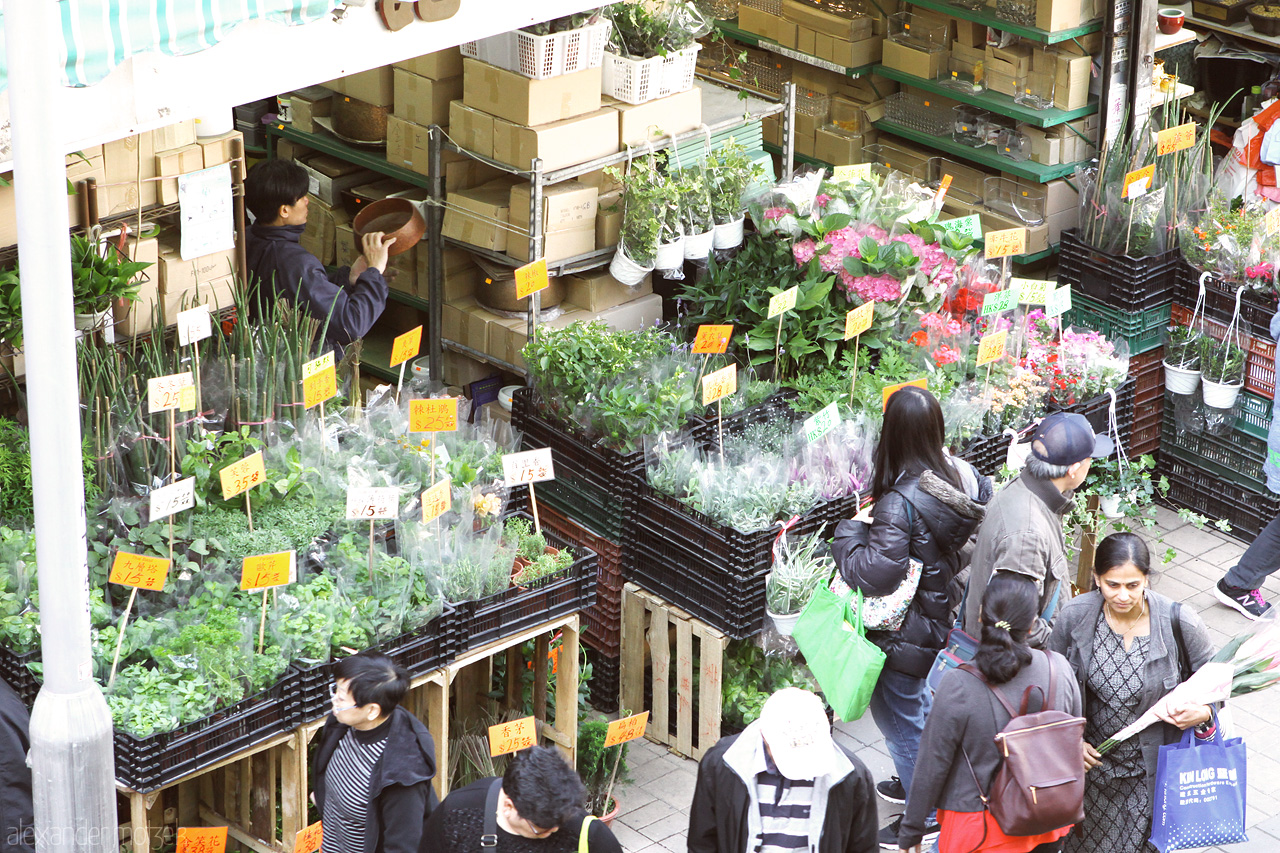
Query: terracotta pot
[(500, 294), (608, 819), (397, 217)]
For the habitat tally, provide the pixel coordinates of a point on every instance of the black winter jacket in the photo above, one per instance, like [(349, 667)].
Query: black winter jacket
[(875, 558), (400, 789), (17, 817)]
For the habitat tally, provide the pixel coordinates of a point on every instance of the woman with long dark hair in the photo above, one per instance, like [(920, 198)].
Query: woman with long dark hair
[(961, 732), (927, 506), (1126, 653)]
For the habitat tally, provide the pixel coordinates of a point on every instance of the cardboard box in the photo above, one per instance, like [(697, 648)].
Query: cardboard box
[(1059, 195), (838, 26), (476, 320), (866, 89), (603, 182), (1003, 83), (853, 54), (507, 337), (460, 274), (608, 220), (908, 60), (838, 149), (566, 206), (558, 143), (177, 135), (1014, 60), (807, 124), (471, 128), (125, 161), (596, 291), (669, 116), (816, 79), (805, 39), (328, 176), (438, 66), (375, 86), (177, 161), (1061, 221), (464, 175), (178, 275), (217, 149), (970, 34), (1071, 82), (462, 370), (320, 236), (968, 55), (557, 245), (634, 315), (480, 216), (787, 33), (309, 104), (408, 144), (402, 270), (771, 130), (1064, 14), (761, 23), (423, 100), (1037, 237), (519, 100), (135, 319), (452, 324), (804, 144)]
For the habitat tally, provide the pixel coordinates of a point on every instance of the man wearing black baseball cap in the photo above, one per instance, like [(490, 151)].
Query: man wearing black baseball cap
[(1022, 530)]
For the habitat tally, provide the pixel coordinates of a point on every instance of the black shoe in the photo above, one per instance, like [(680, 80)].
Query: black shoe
[(1248, 602), (892, 791), (889, 835)]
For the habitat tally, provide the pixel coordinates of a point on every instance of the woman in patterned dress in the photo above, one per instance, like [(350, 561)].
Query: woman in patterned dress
[(1122, 644)]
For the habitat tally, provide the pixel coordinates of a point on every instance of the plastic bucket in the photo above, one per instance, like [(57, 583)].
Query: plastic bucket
[(1179, 380), (729, 235), (1220, 396)]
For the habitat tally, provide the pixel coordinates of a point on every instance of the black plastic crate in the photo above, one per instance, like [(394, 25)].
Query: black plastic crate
[(1144, 438), (14, 670), (602, 621), (606, 681), (145, 764), (733, 606), (1194, 487), (706, 427), (987, 453), (1257, 307), (1096, 408), (1147, 370), (1118, 281), (607, 514), (1238, 453)]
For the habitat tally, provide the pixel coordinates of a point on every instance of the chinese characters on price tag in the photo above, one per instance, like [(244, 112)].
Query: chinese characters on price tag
[(1002, 244), (202, 839), (966, 226), (1058, 302), (1176, 138), (434, 415), (719, 384), (174, 498), (1138, 182), (513, 736), (822, 422), (267, 570), (859, 172), (194, 325), (242, 476), (406, 346), (1031, 291), (991, 347), (436, 500), (532, 278), (628, 728), (859, 319), (890, 389), (712, 339), (138, 570), (999, 300), (783, 302), (319, 380), (308, 840), (531, 466), (373, 502), (1271, 221), (165, 392)]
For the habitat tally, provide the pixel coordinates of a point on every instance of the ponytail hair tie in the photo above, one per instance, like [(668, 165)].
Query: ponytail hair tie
[(1005, 625)]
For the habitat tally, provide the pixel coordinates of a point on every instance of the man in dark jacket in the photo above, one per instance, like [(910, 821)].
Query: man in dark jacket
[(17, 818), (351, 299), (375, 763), (783, 785)]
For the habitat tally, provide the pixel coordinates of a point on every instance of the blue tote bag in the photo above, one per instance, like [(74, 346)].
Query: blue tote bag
[(1200, 793)]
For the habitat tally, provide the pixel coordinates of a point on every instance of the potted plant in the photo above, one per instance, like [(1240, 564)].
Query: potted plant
[(1222, 366), (600, 768), (696, 218), (1182, 359), (99, 279), (729, 173), (642, 188), (798, 571), (670, 255)]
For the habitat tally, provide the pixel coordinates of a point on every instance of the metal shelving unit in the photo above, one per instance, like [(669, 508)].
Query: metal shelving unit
[(981, 156), (995, 102), (980, 16), (733, 31)]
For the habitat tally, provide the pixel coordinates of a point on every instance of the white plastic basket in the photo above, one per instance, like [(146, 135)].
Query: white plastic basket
[(638, 81), (539, 57)]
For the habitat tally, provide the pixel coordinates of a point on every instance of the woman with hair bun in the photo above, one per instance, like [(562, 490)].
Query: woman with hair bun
[(1126, 654), (961, 731)]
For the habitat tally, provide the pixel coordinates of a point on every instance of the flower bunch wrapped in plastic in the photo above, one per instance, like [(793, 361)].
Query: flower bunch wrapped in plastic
[(1231, 243), (1079, 367), (1015, 401), (780, 209)]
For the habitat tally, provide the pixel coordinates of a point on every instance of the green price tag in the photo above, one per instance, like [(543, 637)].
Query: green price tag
[(1058, 302), (822, 423), (967, 226), (999, 300), (1032, 291)]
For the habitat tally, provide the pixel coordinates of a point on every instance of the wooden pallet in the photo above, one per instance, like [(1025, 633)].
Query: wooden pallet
[(648, 626)]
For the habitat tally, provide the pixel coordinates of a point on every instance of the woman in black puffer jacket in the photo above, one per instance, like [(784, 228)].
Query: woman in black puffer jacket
[(927, 506)]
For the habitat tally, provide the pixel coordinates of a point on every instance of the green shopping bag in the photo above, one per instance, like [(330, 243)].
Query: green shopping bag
[(842, 659)]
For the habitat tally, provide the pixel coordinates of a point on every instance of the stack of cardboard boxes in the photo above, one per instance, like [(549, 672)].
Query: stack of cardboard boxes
[(838, 134), (849, 42)]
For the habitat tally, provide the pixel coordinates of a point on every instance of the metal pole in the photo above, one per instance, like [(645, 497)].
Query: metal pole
[(71, 757), (788, 130), (435, 259)]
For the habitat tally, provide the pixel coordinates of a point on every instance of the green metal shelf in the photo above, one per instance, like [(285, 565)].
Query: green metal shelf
[(1033, 33), (374, 160), (799, 158), (733, 31), (995, 102), (408, 299), (375, 357), (981, 156)]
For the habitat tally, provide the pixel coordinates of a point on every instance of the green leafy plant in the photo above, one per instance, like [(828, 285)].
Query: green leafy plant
[(596, 764), (730, 172), (99, 278), (1183, 346), (751, 677), (10, 309), (798, 570), (1222, 361)]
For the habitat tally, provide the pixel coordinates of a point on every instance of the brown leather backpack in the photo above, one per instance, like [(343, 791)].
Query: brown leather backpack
[(1040, 784)]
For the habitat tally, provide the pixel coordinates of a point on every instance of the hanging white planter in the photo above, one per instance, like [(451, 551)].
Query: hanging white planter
[(729, 235), (1219, 395), (698, 246), (102, 320), (1109, 506), (627, 271), (1180, 380), (670, 255)]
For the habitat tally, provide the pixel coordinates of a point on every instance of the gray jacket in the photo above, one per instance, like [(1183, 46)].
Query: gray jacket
[(1022, 533), (1073, 633), (967, 716)]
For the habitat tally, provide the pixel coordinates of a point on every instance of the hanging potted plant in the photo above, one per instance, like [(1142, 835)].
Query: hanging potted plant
[(670, 255), (638, 239), (1182, 359), (1223, 371), (98, 279), (600, 768), (729, 173), (696, 217), (798, 571)]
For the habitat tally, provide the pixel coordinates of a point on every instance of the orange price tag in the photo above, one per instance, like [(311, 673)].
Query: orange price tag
[(266, 570), (628, 728), (991, 347), (721, 383), (139, 570), (308, 840), (242, 476), (513, 736), (436, 500), (435, 415), (1002, 244), (942, 190), (1138, 182), (890, 389), (202, 839), (319, 380), (859, 319), (531, 278), (406, 346), (712, 339), (1176, 138)]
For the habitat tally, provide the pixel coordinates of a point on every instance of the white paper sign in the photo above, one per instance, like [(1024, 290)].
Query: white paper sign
[(173, 498), (194, 325), (204, 199), (531, 466), (374, 502)]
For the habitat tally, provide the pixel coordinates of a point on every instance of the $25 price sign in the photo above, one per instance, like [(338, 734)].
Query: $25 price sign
[(165, 392), (513, 736), (436, 415), (531, 466)]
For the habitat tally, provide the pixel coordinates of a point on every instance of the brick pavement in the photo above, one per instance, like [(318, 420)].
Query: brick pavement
[(656, 800)]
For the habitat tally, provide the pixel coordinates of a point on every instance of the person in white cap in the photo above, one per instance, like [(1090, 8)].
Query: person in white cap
[(783, 785)]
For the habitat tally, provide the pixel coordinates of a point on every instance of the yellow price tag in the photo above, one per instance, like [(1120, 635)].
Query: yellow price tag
[(991, 347), (859, 319), (437, 500), (531, 278), (267, 570), (139, 571), (187, 399), (712, 339), (1002, 244), (1271, 221), (1138, 182), (319, 380), (435, 415), (165, 392), (513, 736), (406, 346), (628, 728), (784, 301), (1176, 138), (890, 390), (719, 384), (846, 174), (243, 475)]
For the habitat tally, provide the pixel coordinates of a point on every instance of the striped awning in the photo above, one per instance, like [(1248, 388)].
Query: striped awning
[(98, 35)]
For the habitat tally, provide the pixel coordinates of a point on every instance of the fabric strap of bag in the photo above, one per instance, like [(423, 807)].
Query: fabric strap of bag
[(583, 846), (489, 841), (1048, 695), (1184, 659), (1047, 613)]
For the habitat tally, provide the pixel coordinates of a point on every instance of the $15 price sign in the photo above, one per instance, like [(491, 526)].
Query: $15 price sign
[(268, 570), (173, 498), (373, 502), (531, 466), (194, 326), (140, 571), (1002, 244), (436, 500), (319, 380)]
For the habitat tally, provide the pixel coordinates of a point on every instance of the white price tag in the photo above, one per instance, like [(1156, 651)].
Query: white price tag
[(194, 325), (374, 502), (173, 498), (531, 466)]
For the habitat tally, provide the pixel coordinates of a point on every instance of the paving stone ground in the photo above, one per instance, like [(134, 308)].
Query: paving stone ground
[(656, 800)]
